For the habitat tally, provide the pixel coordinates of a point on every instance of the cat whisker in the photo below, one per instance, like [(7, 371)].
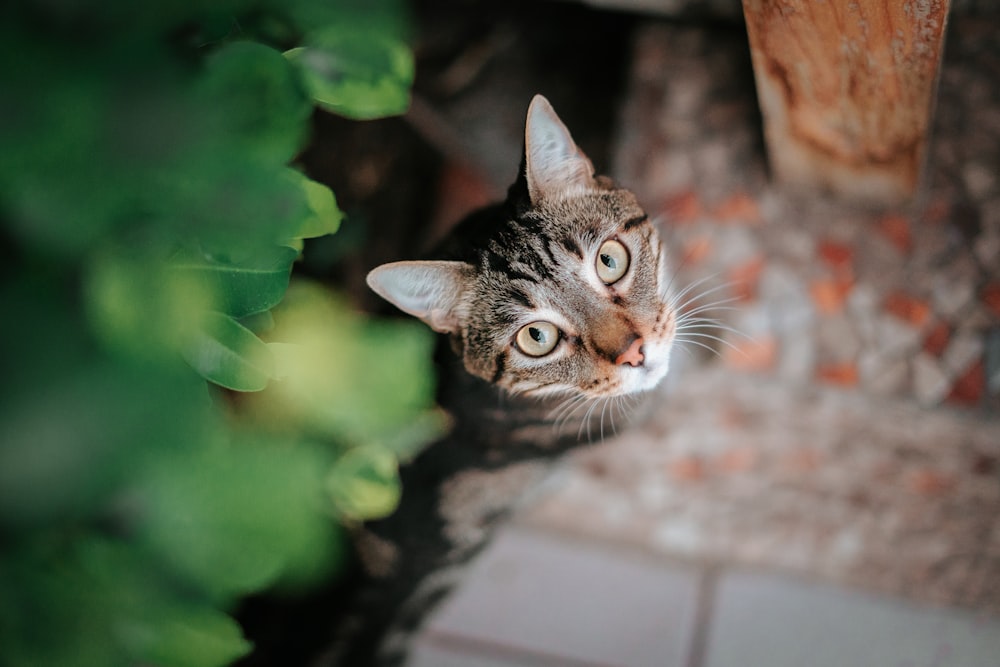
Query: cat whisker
[(722, 304), (692, 299), (604, 407), (570, 408), (699, 344), (706, 322), (685, 351), (566, 410), (587, 417), (566, 407), (677, 272), (687, 290), (692, 302), (551, 389), (688, 337), (625, 404), (608, 405)]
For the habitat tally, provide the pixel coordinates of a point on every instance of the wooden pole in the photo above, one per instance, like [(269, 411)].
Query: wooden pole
[(846, 88)]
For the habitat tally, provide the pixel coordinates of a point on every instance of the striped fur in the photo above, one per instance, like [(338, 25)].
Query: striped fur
[(531, 258), (534, 258)]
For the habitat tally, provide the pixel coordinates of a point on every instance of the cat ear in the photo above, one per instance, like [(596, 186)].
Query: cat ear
[(554, 166), (431, 291)]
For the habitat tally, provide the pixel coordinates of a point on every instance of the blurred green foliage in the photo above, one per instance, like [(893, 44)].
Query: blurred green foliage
[(150, 222)]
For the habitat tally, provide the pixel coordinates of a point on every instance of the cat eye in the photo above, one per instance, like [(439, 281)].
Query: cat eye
[(612, 261), (537, 339)]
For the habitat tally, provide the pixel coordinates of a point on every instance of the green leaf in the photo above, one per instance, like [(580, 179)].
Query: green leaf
[(248, 285), (237, 517), (356, 73), (406, 442), (191, 636), (258, 322), (138, 306), (259, 97), (67, 446), (324, 215), (352, 379), (364, 483), (230, 355)]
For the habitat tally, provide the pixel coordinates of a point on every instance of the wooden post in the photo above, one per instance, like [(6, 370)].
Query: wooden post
[(846, 88)]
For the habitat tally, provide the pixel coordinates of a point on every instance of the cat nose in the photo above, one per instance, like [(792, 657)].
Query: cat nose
[(633, 356)]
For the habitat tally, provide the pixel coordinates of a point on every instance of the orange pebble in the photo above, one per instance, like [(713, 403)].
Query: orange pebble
[(929, 482), (838, 256), (896, 229), (991, 297), (968, 389), (696, 250), (908, 308), (745, 278), (739, 207), (844, 375), (937, 339), (737, 459), (687, 469), (752, 355), (829, 295), (683, 207)]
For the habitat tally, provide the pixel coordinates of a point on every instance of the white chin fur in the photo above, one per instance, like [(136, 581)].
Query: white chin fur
[(650, 374)]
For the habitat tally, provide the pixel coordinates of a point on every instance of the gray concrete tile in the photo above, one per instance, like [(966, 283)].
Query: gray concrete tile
[(766, 619), (572, 600), (429, 654)]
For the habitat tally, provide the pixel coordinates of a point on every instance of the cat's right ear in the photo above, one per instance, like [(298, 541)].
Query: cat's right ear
[(555, 167), (429, 290)]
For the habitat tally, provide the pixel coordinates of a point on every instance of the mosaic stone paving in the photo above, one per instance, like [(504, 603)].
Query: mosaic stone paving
[(850, 432), (895, 302)]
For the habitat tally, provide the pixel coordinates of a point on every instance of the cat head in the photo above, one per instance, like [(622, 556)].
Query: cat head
[(567, 292)]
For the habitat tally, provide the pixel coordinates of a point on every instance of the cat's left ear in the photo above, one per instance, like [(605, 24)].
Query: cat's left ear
[(555, 167), (429, 290)]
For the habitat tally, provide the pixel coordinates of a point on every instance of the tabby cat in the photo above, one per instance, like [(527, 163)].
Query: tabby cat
[(555, 314)]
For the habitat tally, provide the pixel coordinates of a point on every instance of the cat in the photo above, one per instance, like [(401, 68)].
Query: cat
[(556, 317)]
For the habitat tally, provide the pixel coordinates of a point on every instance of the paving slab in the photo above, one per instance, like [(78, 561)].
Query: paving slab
[(428, 653), (742, 469), (847, 425), (554, 599), (767, 619)]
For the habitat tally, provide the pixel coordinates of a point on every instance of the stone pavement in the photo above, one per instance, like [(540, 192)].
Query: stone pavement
[(823, 486), (538, 599)]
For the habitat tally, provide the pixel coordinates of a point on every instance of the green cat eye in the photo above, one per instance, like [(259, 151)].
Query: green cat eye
[(537, 339), (612, 261)]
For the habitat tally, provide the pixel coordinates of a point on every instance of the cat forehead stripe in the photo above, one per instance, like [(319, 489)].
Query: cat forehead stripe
[(635, 222)]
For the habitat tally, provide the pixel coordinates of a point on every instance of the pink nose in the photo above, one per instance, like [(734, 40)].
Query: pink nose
[(633, 355)]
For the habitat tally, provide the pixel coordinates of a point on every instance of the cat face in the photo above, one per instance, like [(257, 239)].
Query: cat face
[(567, 293)]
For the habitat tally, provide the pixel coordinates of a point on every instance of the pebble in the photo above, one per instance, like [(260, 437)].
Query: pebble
[(993, 362), (798, 358), (930, 382), (896, 336), (950, 295), (891, 298), (670, 173), (786, 300), (735, 245), (987, 249), (838, 339), (965, 349), (979, 179), (863, 308), (881, 374)]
